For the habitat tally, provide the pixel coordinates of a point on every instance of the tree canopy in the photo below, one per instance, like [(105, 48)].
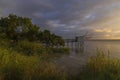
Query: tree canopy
[(18, 28)]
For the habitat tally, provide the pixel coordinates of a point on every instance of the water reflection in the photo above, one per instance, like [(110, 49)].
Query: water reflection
[(80, 55), (79, 49), (76, 47)]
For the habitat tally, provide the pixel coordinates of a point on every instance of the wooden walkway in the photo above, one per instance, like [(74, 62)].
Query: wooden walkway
[(78, 42)]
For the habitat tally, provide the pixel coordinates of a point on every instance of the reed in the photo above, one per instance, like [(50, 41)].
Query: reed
[(101, 67), (14, 66)]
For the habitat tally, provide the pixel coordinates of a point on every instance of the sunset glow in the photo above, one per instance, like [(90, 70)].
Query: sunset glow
[(70, 17)]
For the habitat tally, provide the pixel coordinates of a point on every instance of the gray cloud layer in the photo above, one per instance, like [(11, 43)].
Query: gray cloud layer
[(64, 17)]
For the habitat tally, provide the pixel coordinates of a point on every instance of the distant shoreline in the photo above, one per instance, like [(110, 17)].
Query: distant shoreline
[(103, 40)]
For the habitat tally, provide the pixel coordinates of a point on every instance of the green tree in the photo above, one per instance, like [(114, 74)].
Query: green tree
[(57, 40), (19, 28), (46, 37), (8, 26), (50, 39), (16, 28)]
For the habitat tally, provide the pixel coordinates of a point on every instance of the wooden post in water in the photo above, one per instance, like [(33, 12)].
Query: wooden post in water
[(79, 40)]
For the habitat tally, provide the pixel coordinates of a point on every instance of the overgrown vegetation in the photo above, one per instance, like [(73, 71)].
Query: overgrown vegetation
[(101, 67), (14, 66)]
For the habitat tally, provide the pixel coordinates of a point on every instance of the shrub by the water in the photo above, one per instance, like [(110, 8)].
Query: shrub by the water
[(35, 48), (101, 67), (30, 48)]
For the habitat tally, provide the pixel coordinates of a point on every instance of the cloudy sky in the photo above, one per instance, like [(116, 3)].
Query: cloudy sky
[(69, 18)]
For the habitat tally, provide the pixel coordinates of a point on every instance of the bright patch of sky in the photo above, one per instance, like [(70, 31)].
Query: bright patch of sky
[(69, 17)]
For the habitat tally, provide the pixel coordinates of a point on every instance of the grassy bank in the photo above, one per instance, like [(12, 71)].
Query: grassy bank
[(14, 66), (101, 67)]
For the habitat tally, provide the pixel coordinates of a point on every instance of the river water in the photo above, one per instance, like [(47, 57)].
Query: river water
[(78, 57)]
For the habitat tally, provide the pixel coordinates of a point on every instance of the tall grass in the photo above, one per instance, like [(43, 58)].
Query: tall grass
[(30, 48), (14, 66), (101, 67)]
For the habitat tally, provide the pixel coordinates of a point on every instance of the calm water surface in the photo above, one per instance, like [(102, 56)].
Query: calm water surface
[(77, 58)]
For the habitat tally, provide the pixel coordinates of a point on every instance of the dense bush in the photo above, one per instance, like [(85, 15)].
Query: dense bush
[(34, 48), (30, 48)]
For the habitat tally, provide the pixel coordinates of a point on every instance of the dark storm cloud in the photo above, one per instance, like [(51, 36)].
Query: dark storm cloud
[(64, 17)]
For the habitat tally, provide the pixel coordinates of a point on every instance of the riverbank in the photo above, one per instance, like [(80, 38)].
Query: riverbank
[(16, 65), (29, 61)]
